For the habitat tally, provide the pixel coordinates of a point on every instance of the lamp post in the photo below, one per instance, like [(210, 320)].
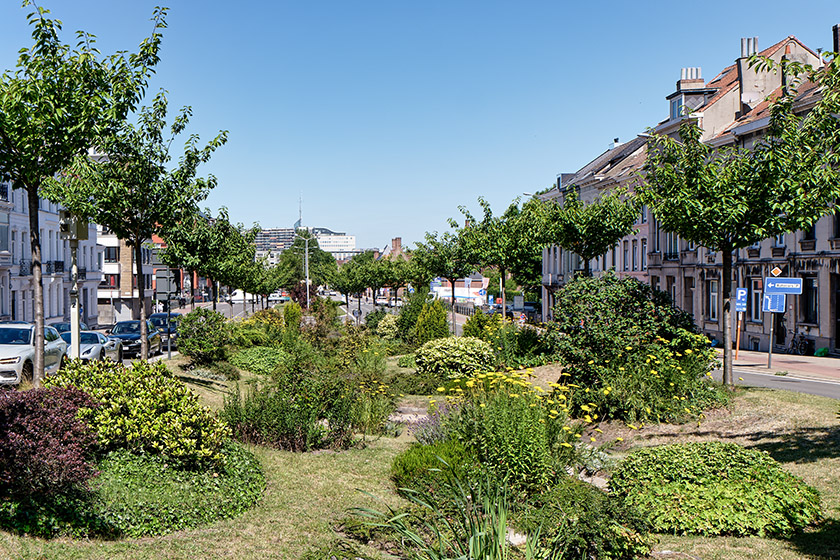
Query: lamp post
[(74, 229), (305, 264)]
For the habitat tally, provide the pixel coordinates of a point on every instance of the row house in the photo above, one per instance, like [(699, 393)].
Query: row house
[(17, 288), (732, 110), (118, 298)]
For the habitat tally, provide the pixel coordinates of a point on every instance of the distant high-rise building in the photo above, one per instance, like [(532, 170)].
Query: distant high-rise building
[(339, 244), (274, 239)]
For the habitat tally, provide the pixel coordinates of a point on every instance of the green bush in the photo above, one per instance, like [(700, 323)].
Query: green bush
[(715, 488), (407, 361), (640, 356), (387, 327), (481, 324), (409, 313), (419, 467), (577, 520), (292, 315), (143, 496), (146, 410), (449, 358), (261, 360), (302, 414), (203, 335), (373, 318), (431, 323)]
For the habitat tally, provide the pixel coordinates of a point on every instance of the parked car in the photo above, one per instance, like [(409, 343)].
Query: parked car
[(96, 346), (65, 327), (167, 331), (129, 333), (17, 352)]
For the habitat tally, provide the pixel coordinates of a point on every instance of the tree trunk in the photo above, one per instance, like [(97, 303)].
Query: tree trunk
[(38, 289), (141, 295), (727, 315), (586, 271), (452, 283), (214, 293)]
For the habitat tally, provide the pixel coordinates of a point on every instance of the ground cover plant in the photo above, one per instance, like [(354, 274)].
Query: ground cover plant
[(715, 488), (640, 357), (262, 360)]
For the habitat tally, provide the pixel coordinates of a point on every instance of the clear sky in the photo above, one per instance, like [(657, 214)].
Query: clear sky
[(386, 116)]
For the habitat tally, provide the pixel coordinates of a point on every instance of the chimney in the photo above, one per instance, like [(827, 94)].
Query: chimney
[(836, 34), (754, 87), (690, 78)]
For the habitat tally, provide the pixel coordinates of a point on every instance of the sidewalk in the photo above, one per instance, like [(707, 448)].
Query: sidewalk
[(807, 367)]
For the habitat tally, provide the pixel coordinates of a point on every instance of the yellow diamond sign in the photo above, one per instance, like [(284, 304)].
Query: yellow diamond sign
[(776, 271)]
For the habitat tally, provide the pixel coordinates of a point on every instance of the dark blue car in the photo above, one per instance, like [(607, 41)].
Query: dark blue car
[(129, 333), (167, 331)]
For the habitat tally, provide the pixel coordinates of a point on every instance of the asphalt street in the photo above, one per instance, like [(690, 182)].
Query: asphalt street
[(786, 382)]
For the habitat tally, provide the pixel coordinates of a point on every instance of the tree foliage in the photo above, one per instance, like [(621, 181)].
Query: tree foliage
[(445, 256), (729, 198), (53, 106), (591, 229)]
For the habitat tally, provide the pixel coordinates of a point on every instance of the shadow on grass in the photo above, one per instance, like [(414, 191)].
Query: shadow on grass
[(822, 542), (798, 445)]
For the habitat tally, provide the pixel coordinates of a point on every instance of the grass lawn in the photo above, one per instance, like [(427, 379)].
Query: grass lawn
[(307, 494)]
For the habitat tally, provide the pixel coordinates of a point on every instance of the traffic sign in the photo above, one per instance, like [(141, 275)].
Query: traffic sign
[(783, 286), (776, 271), (482, 292), (740, 299), (774, 303)]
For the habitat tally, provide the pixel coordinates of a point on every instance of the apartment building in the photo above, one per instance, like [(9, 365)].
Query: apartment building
[(17, 288), (732, 109), (118, 296)]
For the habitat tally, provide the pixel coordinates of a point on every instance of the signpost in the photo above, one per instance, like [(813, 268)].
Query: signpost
[(791, 286), (772, 303), (740, 307), (775, 290)]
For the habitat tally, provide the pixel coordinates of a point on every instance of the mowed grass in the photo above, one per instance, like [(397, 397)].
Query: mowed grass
[(307, 495)]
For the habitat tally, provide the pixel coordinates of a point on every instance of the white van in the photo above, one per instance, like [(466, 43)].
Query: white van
[(237, 297)]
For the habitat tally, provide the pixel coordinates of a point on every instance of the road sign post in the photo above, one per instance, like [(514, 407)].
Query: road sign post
[(772, 303), (740, 308)]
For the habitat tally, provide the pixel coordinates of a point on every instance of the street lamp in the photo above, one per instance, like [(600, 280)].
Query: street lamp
[(305, 264), (74, 229)]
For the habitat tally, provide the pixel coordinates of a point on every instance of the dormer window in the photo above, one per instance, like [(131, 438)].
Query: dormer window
[(676, 107)]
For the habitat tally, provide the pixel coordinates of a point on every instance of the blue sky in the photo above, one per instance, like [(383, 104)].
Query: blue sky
[(386, 116)]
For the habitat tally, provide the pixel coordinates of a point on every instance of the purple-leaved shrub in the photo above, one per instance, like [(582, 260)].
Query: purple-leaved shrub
[(44, 447)]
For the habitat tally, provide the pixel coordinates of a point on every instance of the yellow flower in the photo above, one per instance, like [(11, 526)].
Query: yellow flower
[(632, 427), (441, 389), (621, 369), (620, 438), (482, 405), (591, 439), (740, 379), (599, 430), (688, 351), (553, 412), (591, 362), (629, 348), (564, 444)]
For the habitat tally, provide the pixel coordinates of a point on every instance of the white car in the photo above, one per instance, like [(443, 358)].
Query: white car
[(17, 352), (96, 346)]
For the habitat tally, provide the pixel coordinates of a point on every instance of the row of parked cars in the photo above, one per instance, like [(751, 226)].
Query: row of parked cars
[(17, 344)]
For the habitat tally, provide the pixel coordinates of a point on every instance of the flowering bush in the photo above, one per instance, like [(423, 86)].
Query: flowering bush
[(44, 447), (454, 357), (145, 409)]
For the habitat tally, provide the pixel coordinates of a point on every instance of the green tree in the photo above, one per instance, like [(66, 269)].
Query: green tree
[(445, 256), (130, 190), (292, 264), (431, 323), (53, 106), (395, 274), (729, 198), (590, 229), (511, 242)]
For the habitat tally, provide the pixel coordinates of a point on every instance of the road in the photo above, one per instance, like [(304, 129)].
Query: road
[(787, 382)]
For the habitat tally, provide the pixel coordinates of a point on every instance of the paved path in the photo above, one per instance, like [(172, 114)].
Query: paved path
[(803, 374)]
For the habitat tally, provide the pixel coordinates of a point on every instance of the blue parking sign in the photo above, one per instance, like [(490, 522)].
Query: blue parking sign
[(740, 299), (773, 303)]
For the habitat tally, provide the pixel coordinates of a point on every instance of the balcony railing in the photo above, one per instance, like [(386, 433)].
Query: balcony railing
[(49, 267), (671, 256), (24, 267), (82, 274), (58, 267)]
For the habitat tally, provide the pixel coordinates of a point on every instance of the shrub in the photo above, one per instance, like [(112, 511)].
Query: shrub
[(431, 323), (387, 327), (407, 361), (44, 447), (373, 318), (445, 358), (325, 314), (577, 520), (715, 488), (308, 413), (639, 355), (419, 467), (140, 496), (515, 431), (409, 313), (372, 405), (481, 325), (261, 360), (292, 314), (145, 410), (438, 425), (202, 335)]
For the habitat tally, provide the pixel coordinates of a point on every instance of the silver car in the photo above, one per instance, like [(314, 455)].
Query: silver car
[(96, 346), (17, 352)]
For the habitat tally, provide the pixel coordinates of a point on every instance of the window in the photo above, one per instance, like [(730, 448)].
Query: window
[(810, 300), (655, 236), (612, 260), (676, 107), (712, 299), (672, 245), (654, 282), (635, 255), (110, 281), (626, 263), (779, 240), (644, 253), (4, 231), (112, 254), (837, 225), (754, 301), (810, 233), (644, 216), (671, 286)]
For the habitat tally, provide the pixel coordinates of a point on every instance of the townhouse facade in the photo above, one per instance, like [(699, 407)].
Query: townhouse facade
[(732, 110), (17, 288), (118, 296)]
